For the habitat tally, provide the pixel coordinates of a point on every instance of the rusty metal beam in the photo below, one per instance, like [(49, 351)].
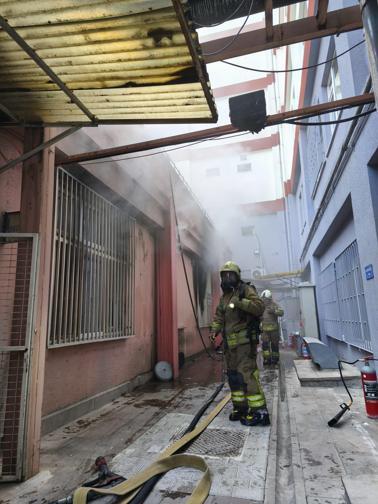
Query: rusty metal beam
[(268, 4), (194, 49), (321, 14), (228, 129), (338, 21)]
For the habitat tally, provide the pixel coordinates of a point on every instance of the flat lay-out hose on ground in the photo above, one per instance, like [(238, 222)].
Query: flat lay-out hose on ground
[(169, 459)]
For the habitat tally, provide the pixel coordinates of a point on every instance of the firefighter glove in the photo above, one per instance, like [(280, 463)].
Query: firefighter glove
[(212, 336)]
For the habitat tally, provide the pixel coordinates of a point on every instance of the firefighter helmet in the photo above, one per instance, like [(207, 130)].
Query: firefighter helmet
[(230, 266), (266, 294)]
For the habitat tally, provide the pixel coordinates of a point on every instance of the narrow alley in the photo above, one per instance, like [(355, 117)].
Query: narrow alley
[(188, 251)]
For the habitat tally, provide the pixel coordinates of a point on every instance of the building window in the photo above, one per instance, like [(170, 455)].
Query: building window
[(334, 88), (212, 172), (343, 300), (247, 230), (244, 167), (94, 267)]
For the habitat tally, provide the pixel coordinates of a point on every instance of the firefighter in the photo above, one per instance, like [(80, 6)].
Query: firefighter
[(237, 317), (270, 329)]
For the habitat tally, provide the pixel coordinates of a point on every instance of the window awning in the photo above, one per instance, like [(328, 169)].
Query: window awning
[(82, 62)]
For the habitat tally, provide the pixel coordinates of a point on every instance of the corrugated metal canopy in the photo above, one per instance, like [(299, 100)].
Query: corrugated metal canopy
[(124, 61)]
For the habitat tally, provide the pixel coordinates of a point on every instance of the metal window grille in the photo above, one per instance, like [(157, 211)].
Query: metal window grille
[(93, 269), (353, 313), (18, 261), (343, 300), (330, 302)]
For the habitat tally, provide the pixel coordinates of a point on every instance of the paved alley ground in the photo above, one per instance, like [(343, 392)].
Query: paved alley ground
[(297, 460)]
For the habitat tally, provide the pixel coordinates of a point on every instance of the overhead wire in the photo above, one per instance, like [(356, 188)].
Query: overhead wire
[(179, 242), (228, 18), (289, 70), (222, 137), (324, 123), (235, 37), (219, 137), (294, 121)]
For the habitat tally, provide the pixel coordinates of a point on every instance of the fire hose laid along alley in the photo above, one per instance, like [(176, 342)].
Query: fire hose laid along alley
[(298, 459)]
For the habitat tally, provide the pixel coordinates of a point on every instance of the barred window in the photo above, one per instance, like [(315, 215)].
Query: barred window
[(343, 300), (93, 267)]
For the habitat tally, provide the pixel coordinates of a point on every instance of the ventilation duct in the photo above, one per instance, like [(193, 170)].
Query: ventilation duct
[(209, 12)]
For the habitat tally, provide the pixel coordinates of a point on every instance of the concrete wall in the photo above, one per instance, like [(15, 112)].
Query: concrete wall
[(266, 249), (77, 372), (320, 148), (80, 378)]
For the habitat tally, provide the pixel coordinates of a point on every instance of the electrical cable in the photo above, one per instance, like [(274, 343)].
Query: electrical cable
[(219, 137), (222, 137), (186, 273), (322, 112), (213, 53), (324, 123), (230, 16), (289, 70)]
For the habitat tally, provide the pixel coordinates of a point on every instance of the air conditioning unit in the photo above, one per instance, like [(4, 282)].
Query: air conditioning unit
[(258, 272)]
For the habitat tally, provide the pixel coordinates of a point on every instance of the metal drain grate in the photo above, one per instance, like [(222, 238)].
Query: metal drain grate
[(216, 442)]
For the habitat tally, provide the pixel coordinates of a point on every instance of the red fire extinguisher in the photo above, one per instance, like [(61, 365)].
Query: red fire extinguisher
[(370, 388)]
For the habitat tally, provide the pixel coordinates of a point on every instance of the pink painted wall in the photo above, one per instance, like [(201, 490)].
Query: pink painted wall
[(166, 279), (11, 146), (77, 372), (189, 341)]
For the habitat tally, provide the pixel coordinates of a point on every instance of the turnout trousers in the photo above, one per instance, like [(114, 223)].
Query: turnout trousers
[(243, 377), (270, 346)]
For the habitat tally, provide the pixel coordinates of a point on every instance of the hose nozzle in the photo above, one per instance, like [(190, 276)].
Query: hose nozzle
[(344, 408)]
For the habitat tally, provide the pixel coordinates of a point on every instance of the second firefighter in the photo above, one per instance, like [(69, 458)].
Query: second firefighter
[(270, 329)]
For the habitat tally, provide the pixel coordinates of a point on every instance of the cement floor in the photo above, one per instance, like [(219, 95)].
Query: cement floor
[(298, 460), (130, 432), (328, 463)]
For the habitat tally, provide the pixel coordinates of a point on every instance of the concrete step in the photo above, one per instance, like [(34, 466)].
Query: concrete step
[(360, 489), (310, 375)]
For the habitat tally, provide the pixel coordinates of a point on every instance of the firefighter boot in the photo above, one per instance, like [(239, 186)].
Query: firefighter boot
[(237, 413), (256, 417)]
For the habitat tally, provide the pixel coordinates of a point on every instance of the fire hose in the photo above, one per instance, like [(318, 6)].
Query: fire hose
[(370, 387), (143, 482)]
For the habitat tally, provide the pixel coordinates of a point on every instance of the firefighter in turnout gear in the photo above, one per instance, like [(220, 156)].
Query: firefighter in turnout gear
[(237, 317), (270, 329)]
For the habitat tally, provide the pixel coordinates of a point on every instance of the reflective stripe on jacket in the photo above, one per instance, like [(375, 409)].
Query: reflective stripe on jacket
[(234, 321)]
